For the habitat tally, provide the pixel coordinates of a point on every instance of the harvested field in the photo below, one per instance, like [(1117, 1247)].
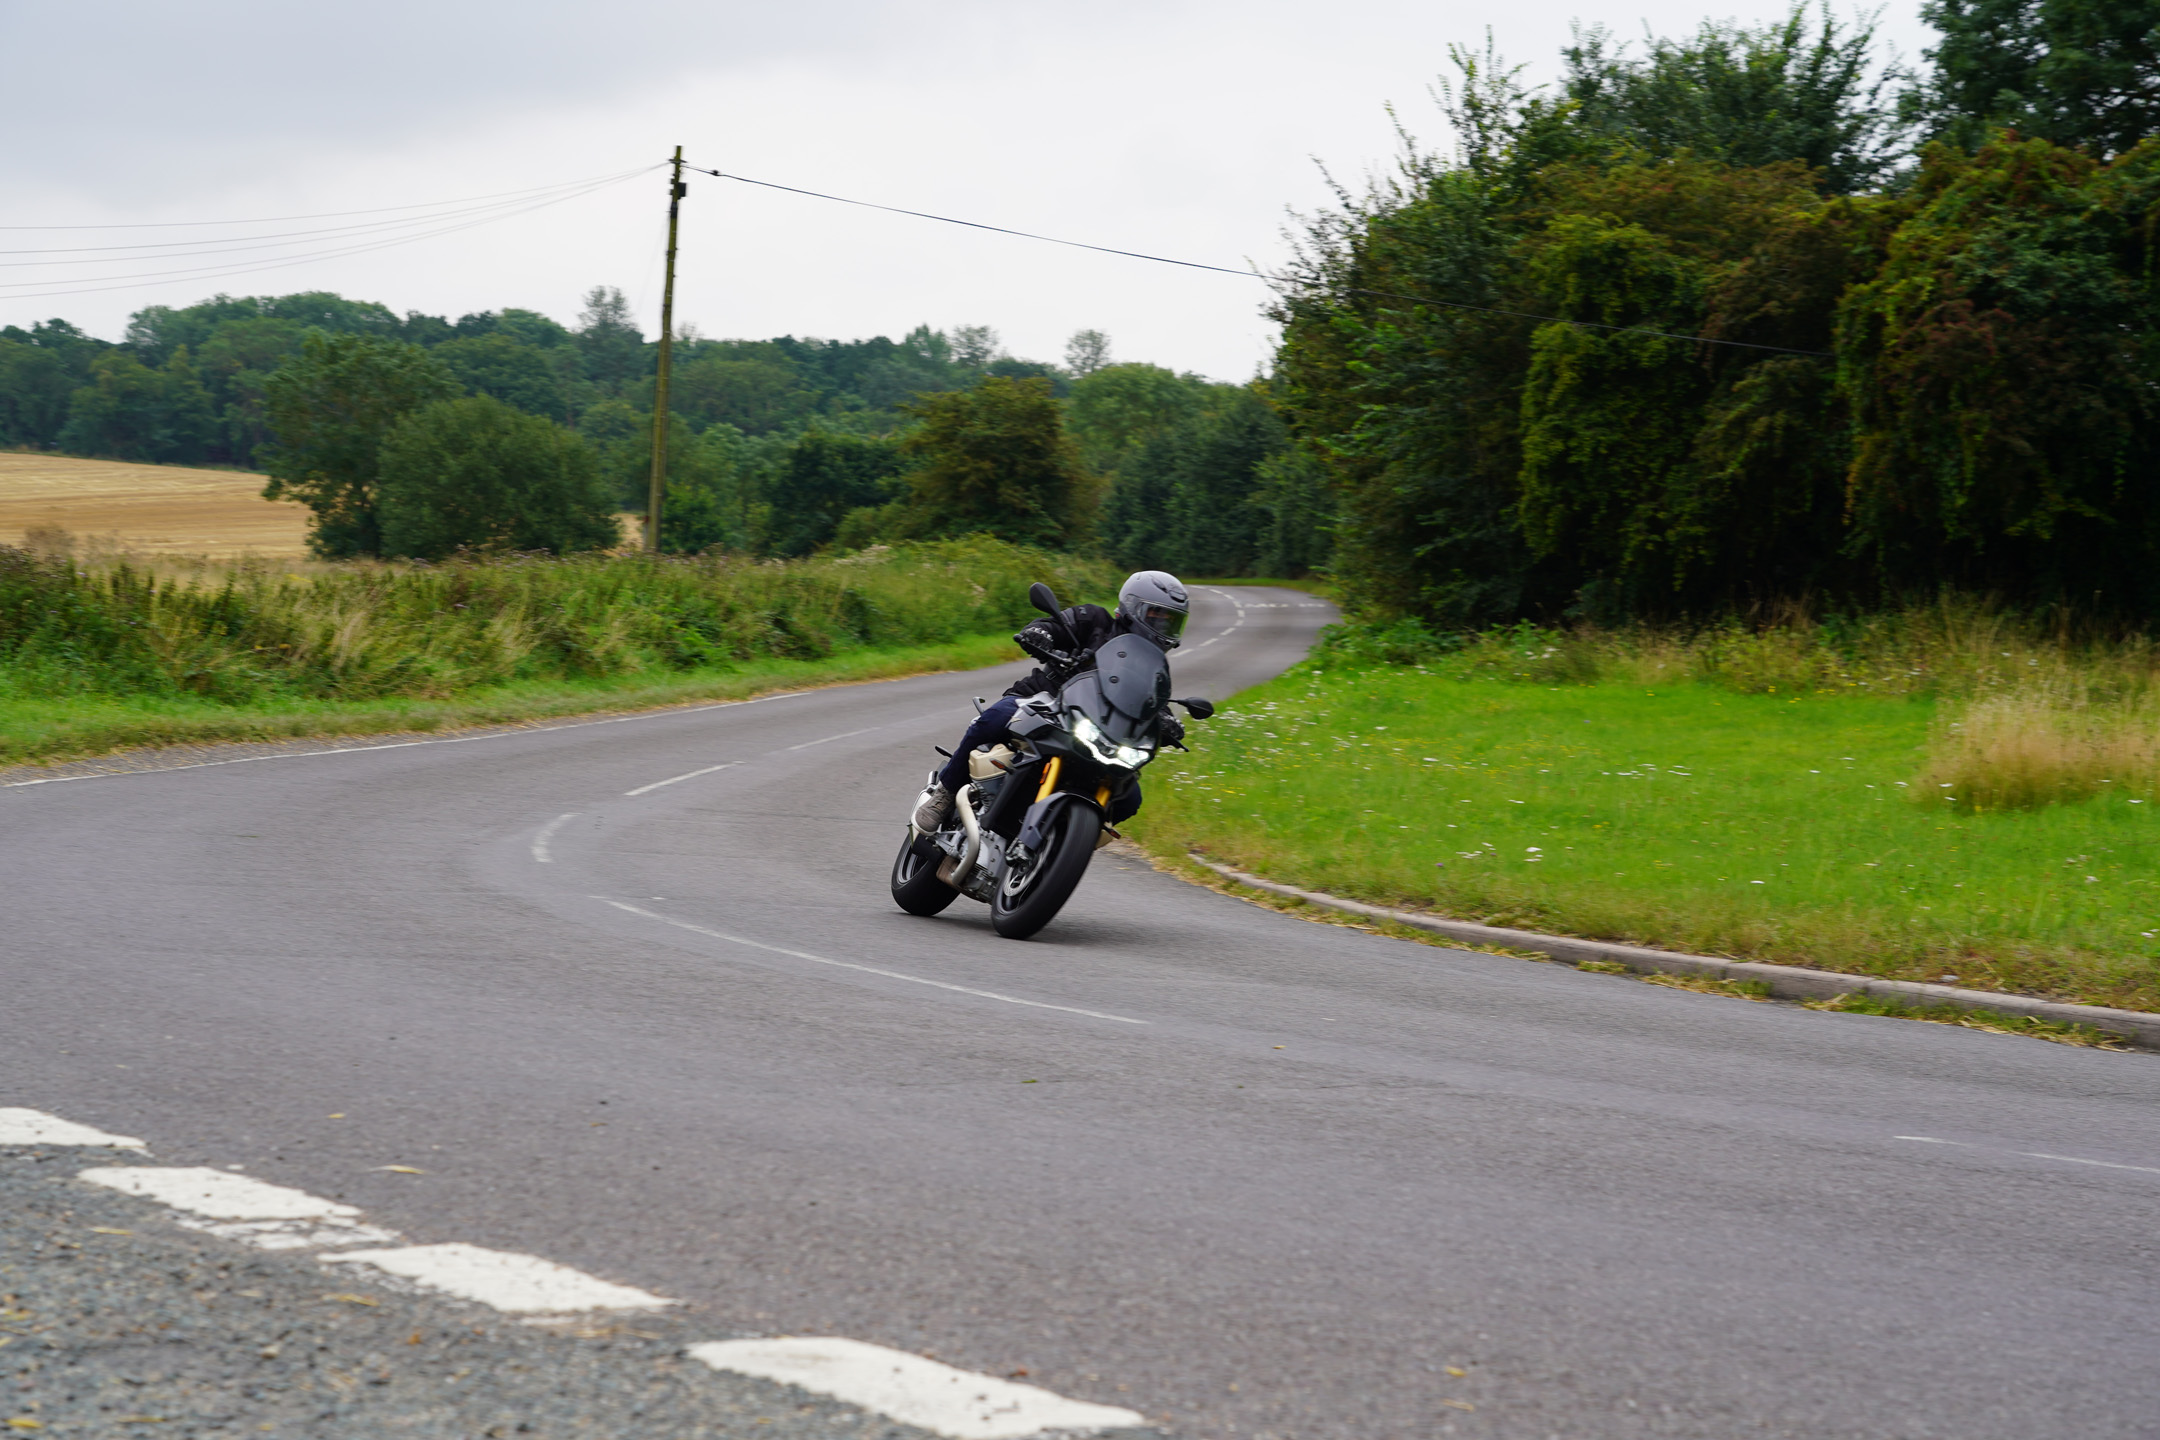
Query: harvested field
[(146, 509)]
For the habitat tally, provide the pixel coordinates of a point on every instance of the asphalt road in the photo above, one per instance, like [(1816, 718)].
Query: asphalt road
[(1248, 1174)]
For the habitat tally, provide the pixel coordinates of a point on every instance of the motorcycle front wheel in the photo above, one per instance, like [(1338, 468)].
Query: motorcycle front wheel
[(1031, 895), (915, 886)]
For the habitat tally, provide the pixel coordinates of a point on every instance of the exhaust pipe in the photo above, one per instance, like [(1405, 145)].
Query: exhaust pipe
[(960, 869)]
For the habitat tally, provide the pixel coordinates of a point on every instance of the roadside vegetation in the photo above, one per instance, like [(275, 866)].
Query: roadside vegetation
[(1944, 791), (114, 652)]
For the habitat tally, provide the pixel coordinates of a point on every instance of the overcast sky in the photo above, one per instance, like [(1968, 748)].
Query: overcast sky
[(1180, 127)]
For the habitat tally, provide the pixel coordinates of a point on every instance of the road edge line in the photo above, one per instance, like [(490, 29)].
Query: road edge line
[(1786, 982)]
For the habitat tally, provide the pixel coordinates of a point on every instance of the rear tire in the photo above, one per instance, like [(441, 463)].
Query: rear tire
[(915, 886), (1050, 881)]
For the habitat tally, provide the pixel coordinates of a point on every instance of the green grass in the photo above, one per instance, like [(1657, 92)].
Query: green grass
[(69, 727), (2062, 1032), (1684, 814), (115, 653)]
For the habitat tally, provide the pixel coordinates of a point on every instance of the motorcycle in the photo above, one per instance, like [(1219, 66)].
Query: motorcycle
[(1019, 836)]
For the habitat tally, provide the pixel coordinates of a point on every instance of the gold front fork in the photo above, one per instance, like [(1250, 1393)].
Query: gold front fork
[(1050, 777)]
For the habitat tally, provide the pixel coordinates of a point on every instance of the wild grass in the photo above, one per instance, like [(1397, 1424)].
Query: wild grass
[(2028, 748), (2062, 1032), (122, 651), (1761, 795)]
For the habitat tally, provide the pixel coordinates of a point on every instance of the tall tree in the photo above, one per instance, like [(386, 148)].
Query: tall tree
[(1086, 352), (35, 386), (129, 411), (975, 346), (823, 477), (609, 339), (996, 460), (2082, 73), (510, 369), (1747, 95), (1116, 408), (330, 409)]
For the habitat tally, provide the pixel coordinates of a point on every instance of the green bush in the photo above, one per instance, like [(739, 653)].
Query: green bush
[(476, 474)]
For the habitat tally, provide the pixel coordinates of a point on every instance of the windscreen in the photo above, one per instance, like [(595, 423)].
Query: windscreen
[(1135, 676)]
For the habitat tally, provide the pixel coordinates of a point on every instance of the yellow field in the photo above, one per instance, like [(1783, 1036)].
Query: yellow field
[(146, 509)]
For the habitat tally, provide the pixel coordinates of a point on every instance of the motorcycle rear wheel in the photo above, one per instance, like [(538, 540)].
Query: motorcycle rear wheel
[(915, 885), (1051, 879)]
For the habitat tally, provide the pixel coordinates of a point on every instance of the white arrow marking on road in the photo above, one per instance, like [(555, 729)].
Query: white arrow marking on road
[(35, 1127), (911, 1389)]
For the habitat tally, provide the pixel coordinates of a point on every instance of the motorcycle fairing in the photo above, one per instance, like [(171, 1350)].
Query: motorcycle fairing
[(1135, 676)]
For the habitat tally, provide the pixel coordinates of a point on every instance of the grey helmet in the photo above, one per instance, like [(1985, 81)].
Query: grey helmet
[(1154, 604)]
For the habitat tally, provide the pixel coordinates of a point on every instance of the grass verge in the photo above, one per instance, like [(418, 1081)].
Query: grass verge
[(2062, 1032), (72, 727), (1683, 813), (120, 652)]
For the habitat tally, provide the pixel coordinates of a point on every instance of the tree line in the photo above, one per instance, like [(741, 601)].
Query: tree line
[(418, 436), (1751, 318), (1742, 318)]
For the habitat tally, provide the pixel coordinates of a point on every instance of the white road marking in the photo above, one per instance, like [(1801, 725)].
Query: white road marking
[(217, 1194), (867, 969), (2032, 1154), (518, 1284), (547, 833), (35, 1127), (672, 779), (409, 744), (296, 1234), (808, 743), (236, 1207), (1225, 631), (912, 1390), (2079, 1160)]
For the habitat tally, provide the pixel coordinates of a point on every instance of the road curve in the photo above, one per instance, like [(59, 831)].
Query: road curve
[(633, 997)]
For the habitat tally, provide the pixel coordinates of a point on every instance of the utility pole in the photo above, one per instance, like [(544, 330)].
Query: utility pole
[(676, 191)]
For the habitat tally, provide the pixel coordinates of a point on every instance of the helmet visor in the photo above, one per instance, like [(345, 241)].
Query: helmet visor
[(1167, 623)]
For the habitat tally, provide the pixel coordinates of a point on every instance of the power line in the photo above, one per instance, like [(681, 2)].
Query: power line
[(229, 244), (978, 225), (30, 289), (1279, 280), (324, 215)]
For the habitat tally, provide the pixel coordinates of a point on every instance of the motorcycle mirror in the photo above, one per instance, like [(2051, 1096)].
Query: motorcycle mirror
[(1197, 708), (1044, 599)]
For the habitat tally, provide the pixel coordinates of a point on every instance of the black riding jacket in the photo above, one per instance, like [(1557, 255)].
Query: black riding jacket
[(1091, 623)]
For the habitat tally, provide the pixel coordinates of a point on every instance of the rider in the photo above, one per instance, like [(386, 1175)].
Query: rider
[(1151, 603)]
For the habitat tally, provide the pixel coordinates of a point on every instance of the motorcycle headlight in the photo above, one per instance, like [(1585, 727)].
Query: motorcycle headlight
[(1108, 751)]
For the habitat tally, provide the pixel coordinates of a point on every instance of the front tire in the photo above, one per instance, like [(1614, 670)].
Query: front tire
[(915, 886), (1028, 900)]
